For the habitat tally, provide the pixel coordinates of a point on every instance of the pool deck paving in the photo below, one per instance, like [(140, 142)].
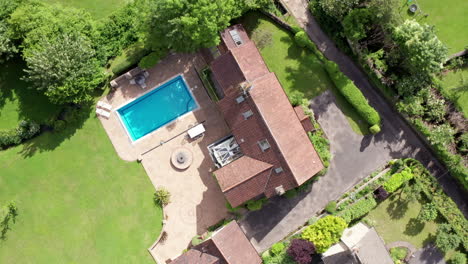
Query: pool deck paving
[(196, 199)]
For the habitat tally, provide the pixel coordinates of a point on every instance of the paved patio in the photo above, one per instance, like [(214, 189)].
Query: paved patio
[(196, 199)]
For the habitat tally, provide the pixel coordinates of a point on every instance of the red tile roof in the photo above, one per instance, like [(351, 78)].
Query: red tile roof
[(273, 119), (305, 120), (227, 71), (194, 256)]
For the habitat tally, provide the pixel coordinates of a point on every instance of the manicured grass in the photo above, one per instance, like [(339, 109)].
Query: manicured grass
[(449, 18), (455, 84), (296, 68), (18, 101), (78, 202), (395, 220), (98, 8)]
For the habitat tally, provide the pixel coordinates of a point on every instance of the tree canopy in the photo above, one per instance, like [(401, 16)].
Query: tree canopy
[(186, 25)]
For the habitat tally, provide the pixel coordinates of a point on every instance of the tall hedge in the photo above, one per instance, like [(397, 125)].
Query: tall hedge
[(359, 209), (352, 94)]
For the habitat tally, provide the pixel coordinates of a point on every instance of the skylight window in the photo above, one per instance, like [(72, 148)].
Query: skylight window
[(236, 37), (264, 145), (247, 114)]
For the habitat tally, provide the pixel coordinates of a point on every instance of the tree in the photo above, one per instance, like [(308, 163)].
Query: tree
[(186, 25), (338, 9), (357, 23), (424, 53), (428, 213), (301, 251), (325, 232), (385, 11), (64, 68), (446, 238), (7, 48), (458, 258)]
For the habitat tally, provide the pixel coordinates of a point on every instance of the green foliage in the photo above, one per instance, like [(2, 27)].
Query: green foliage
[(356, 23), (26, 129), (7, 214), (281, 258), (151, 59), (352, 94), (447, 208), (331, 207), (458, 258), (397, 180), (398, 253), (290, 193), (65, 69), (446, 239), (442, 135), (296, 98), (186, 25), (428, 213), (374, 129), (7, 48), (321, 145), (463, 143), (411, 105), (325, 232), (196, 240), (338, 9), (359, 209), (302, 40), (162, 196), (277, 248), (377, 58), (424, 53), (435, 109), (255, 205)]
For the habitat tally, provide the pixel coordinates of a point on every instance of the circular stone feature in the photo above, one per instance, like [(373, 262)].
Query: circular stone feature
[(181, 158)]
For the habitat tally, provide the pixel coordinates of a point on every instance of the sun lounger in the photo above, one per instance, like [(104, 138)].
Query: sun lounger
[(103, 113), (143, 85), (196, 131), (104, 105)]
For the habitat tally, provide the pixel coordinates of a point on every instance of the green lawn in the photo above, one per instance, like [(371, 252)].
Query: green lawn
[(17, 101), (98, 8), (455, 84), (78, 201), (395, 220), (296, 68), (448, 17)]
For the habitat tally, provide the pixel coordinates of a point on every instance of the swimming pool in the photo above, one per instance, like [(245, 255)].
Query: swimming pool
[(157, 108)]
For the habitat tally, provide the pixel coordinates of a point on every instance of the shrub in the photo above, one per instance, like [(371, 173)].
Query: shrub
[(301, 39), (374, 129), (398, 253), (290, 193), (296, 98), (255, 205), (301, 251), (331, 207), (325, 232), (458, 258), (442, 135), (321, 144), (352, 94), (277, 248), (296, 29), (162, 196), (196, 240), (428, 213), (446, 239), (282, 258), (397, 180), (381, 194), (151, 59), (358, 209), (26, 129)]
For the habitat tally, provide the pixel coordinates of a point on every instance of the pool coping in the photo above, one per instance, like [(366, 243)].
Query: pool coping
[(133, 142)]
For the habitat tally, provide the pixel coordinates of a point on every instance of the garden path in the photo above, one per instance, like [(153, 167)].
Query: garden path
[(354, 156)]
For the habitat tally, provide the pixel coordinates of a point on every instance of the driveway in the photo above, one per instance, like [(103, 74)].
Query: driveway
[(428, 255), (354, 156)]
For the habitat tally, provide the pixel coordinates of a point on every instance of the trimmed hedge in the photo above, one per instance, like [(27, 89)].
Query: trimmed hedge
[(444, 204), (352, 94), (398, 179), (374, 129), (359, 209), (303, 40), (26, 129)]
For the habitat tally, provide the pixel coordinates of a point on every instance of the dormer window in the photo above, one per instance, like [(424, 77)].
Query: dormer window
[(264, 145), (240, 99), (247, 114)]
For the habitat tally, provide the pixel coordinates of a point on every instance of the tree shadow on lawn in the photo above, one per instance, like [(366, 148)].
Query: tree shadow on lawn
[(397, 208), (414, 227)]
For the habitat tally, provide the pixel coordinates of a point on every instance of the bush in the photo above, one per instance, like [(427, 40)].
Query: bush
[(290, 193), (398, 253), (296, 98), (428, 213), (162, 196), (374, 129), (381, 194), (151, 59), (446, 239), (255, 205), (303, 41), (325, 232), (458, 258), (196, 240), (301, 251), (26, 129), (282, 258), (397, 180), (359, 209), (277, 248), (352, 94), (321, 145), (296, 29), (331, 207)]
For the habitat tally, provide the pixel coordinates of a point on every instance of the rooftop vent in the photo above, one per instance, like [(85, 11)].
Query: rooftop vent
[(247, 114), (236, 37), (264, 145)]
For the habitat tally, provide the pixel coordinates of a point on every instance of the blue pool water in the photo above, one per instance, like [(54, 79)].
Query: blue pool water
[(157, 108)]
